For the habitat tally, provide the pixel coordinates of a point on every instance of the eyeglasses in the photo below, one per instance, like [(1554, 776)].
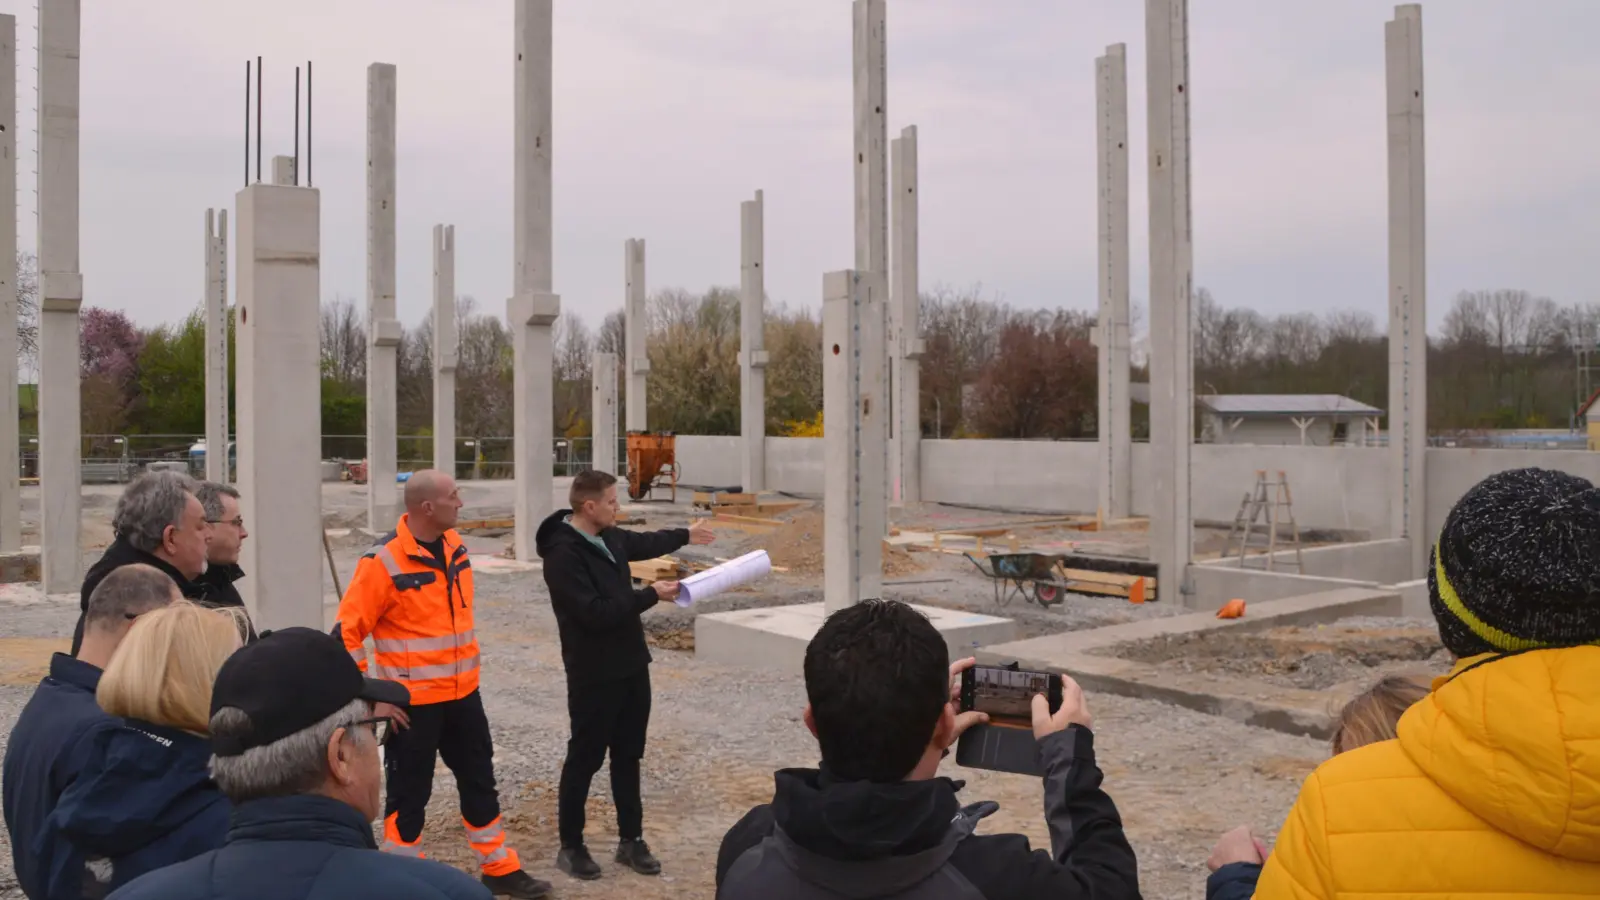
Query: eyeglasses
[(236, 521), (382, 727)]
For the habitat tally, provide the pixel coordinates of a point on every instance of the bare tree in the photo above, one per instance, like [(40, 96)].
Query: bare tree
[(28, 309), (344, 342)]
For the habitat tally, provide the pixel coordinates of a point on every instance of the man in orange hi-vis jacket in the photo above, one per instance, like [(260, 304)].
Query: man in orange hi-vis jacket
[(412, 593)]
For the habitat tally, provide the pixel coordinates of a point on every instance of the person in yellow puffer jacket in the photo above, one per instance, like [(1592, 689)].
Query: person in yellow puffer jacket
[(1492, 788)]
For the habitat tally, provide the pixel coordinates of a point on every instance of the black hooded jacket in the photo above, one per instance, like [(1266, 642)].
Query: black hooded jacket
[(597, 608), (823, 838), (119, 554)]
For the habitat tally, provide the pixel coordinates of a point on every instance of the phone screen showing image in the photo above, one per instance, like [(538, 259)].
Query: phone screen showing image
[(1007, 694)]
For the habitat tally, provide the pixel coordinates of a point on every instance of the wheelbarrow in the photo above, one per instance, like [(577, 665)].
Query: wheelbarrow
[(1032, 576)]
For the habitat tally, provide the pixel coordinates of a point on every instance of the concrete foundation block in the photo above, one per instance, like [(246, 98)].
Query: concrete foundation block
[(20, 567), (775, 637)]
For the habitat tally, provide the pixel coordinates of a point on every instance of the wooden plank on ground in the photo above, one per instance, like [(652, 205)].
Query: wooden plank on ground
[(1113, 583), (759, 510), (1104, 564), (474, 524), (748, 520), (651, 570)]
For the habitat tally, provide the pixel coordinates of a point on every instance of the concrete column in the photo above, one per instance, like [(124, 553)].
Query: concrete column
[(636, 328), (603, 414), (872, 261), (216, 298), (1171, 290), (278, 386), (905, 310), (60, 296), (10, 470), (383, 329), (283, 171), (445, 348), (1112, 332), (852, 423), (1408, 285), (532, 308), (752, 344)]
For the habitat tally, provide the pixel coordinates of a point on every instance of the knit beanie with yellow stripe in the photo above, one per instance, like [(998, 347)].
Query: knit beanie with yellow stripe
[(1517, 566)]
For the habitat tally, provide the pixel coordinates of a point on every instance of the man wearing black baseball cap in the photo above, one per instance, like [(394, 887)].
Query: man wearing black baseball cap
[(296, 746)]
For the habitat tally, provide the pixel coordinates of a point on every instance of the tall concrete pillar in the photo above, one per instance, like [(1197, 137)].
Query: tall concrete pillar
[(905, 311), (533, 308), (1171, 291), (10, 489), (853, 438), (446, 352), (278, 386), (636, 330), (60, 296), (217, 346), (1408, 285), (1112, 332), (872, 264), (383, 329), (752, 344), (603, 414)]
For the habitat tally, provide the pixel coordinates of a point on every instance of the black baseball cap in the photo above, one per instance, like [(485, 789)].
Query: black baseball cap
[(289, 680)]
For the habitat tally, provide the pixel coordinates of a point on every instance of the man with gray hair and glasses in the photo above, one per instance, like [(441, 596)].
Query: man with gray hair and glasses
[(296, 751), (158, 522)]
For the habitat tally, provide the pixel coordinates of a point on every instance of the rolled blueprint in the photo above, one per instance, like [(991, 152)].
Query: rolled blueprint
[(726, 577)]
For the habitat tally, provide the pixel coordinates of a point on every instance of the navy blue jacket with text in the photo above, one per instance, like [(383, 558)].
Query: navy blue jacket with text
[(143, 801), (45, 755)]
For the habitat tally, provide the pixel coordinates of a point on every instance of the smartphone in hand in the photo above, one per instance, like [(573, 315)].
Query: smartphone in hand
[(1005, 693)]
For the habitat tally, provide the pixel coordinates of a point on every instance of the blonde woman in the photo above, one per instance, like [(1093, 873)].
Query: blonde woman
[(146, 799)]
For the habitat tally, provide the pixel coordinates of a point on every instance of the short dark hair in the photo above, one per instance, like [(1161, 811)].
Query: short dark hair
[(210, 494), (878, 679), (590, 484), (126, 592)]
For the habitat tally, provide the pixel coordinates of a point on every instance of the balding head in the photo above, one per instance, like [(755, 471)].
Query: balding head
[(127, 593), (432, 503)]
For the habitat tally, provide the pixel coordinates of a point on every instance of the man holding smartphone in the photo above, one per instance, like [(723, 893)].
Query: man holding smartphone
[(876, 818)]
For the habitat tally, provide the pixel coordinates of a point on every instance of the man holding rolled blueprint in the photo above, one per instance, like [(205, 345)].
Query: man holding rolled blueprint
[(607, 661)]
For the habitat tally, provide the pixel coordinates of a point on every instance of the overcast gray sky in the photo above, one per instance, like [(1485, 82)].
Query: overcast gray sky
[(670, 113)]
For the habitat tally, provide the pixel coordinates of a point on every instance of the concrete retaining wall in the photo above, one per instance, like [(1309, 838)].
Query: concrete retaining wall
[(711, 461), (1334, 487), (1216, 585), (1452, 473), (1038, 476)]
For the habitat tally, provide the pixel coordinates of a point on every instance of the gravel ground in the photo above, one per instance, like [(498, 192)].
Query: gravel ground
[(1342, 657), (1180, 778)]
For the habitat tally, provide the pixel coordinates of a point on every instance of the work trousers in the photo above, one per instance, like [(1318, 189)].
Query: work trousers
[(605, 717), (458, 732)]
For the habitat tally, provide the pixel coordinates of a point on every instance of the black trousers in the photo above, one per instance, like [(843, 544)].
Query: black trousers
[(605, 717), (458, 732)]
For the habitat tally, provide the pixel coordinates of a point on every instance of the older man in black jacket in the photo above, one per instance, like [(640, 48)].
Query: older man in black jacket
[(876, 820), (160, 522), (607, 661)]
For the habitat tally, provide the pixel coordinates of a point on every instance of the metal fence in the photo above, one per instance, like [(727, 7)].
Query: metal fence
[(118, 458)]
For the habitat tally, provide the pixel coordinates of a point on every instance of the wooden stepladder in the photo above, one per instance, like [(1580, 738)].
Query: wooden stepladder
[(1268, 506)]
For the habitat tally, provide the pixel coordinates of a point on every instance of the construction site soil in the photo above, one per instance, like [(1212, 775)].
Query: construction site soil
[(1345, 656)]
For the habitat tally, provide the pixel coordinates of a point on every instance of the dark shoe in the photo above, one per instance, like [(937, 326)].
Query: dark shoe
[(577, 862), (519, 885), (635, 854)]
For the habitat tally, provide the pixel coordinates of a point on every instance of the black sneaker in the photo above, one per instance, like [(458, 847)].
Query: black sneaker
[(577, 862), (635, 854), (518, 885)]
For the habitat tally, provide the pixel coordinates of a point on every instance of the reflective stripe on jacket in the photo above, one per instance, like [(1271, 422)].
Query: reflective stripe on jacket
[(418, 612)]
